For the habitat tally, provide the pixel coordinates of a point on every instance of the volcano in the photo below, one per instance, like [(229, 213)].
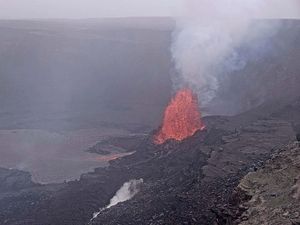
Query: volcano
[(182, 118), (243, 169)]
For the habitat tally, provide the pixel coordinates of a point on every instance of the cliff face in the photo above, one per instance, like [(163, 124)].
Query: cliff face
[(274, 190), (268, 195), (87, 70), (71, 72)]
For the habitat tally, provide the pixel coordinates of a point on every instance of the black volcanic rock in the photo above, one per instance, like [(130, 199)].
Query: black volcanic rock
[(298, 136), (269, 195), (19, 196), (186, 193), (14, 180), (184, 182)]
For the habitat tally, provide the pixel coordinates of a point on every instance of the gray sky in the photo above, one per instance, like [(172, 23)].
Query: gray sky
[(19, 9), (16, 9)]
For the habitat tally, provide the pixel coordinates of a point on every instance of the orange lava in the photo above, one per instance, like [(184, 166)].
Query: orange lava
[(182, 118)]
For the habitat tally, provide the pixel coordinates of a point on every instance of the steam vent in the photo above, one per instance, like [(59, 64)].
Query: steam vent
[(182, 118)]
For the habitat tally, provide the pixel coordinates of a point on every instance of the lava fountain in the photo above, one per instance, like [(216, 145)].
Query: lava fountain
[(182, 118)]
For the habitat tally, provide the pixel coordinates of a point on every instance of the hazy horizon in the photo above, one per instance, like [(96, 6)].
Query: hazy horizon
[(80, 9), (92, 9)]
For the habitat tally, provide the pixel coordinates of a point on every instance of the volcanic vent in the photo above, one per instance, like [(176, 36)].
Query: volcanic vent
[(182, 118)]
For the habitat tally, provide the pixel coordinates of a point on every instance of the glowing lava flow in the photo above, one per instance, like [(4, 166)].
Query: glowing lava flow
[(182, 118)]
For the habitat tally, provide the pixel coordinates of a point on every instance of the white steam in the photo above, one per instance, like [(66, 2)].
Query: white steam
[(125, 193), (209, 33)]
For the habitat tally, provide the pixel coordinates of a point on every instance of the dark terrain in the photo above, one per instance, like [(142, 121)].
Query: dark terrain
[(183, 182), (189, 182), (273, 191)]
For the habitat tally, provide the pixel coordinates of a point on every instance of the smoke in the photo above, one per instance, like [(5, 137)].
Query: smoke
[(209, 34), (126, 192)]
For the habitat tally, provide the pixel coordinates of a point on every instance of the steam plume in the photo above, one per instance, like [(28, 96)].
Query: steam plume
[(208, 35), (125, 193)]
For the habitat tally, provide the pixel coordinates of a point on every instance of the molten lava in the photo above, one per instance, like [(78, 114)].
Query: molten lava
[(182, 118)]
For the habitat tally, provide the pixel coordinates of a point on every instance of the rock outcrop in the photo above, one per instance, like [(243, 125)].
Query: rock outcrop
[(274, 190)]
